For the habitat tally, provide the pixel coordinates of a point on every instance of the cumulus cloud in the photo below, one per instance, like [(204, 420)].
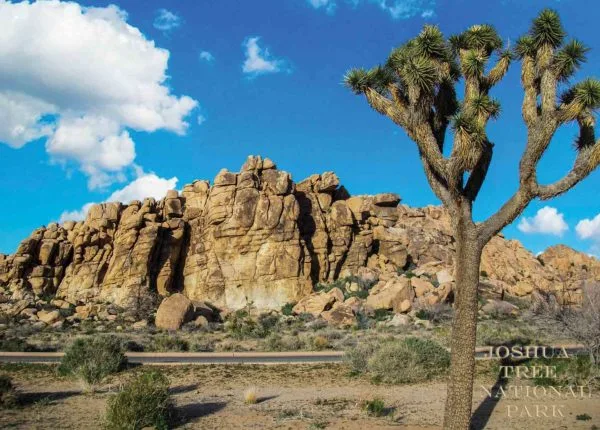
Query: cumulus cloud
[(398, 9), (166, 20), (207, 56), (547, 220), (80, 78), (590, 229), (258, 60), (146, 185), (201, 119)]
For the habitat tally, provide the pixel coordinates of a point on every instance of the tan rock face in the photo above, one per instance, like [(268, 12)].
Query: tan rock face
[(391, 294), (255, 238), (317, 303), (173, 312)]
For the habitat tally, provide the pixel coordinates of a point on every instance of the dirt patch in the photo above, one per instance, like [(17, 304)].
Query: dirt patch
[(289, 397)]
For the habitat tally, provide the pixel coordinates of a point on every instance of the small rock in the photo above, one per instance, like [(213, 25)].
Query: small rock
[(138, 325), (399, 320), (201, 321), (48, 317)]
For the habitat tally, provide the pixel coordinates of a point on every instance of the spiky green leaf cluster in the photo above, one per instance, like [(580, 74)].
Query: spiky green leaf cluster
[(356, 79), (587, 93), (525, 47), (473, 63), (547, 29), (478, 37), (431, 43), (463, 123), (568, 60), (483, 105)]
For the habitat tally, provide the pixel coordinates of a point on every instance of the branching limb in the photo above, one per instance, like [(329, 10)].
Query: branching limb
[(479, 173), (586, 161)]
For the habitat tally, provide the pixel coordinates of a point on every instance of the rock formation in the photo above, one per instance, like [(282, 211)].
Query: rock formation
[(255, 237)]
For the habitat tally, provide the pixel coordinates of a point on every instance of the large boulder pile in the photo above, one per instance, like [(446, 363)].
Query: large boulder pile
[(255, 237)]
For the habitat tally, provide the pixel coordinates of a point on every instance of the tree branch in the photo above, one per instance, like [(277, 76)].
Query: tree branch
[(584, 164), (479, 173), (507, 214)]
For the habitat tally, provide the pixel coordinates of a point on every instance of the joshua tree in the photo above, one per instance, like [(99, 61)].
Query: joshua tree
[(416, 89)]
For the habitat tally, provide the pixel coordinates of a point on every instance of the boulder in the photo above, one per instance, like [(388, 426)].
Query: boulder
[(340, 315), (49, 317), (317, 303), (173, 312), (390, 294), (399, 320), (421, 286)]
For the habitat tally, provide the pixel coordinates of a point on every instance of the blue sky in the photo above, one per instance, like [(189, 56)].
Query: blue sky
[(246, 77)]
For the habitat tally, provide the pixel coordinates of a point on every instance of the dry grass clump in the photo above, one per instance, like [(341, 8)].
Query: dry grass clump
[(251, 396)]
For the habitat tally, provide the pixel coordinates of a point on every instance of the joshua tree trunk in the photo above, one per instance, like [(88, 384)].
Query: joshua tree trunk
[(464, 329)]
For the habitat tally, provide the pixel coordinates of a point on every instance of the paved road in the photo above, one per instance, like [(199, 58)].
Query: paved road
[(481, 353), (191, 357)]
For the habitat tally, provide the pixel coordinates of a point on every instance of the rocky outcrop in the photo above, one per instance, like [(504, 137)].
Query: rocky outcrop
[(255, 237)]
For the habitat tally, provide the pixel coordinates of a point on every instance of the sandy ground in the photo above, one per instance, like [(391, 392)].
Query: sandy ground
[(290, 397)]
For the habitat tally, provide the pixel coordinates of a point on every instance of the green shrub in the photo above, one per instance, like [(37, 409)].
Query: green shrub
[(408, 360), (583, 417), (358, 357), (144, 402), (287, 309), (382, 314), (275, 342), (93, 358), (375, 407), (166, 343), (320, 343), (241, 325), (8, 397)]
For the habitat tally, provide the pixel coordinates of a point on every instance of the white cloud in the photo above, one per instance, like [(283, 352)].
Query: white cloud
[(146, 185), (328, 5), (398, 9), (80, 78), (207, 56), (201, 119), (166, 20), (76, 215), (589, 228), (547, 220), (258, 60)]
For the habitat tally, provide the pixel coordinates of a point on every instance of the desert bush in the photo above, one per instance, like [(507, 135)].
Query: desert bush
[(363, 286), (144, 402), (275, 342), (15, 344), (583, 323), (375, 407), (93, 358), (575, 371), (494, 334), (8, 397), (382, 314), (320, 342), (436, 313), (408, 360), (358, 357), (166, 343), (287, 309), (241, 325)]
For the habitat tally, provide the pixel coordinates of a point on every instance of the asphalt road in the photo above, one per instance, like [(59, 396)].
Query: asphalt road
[(177, 358)]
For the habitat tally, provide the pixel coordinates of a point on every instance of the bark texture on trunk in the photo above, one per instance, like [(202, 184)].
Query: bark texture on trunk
[(457, 415)]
